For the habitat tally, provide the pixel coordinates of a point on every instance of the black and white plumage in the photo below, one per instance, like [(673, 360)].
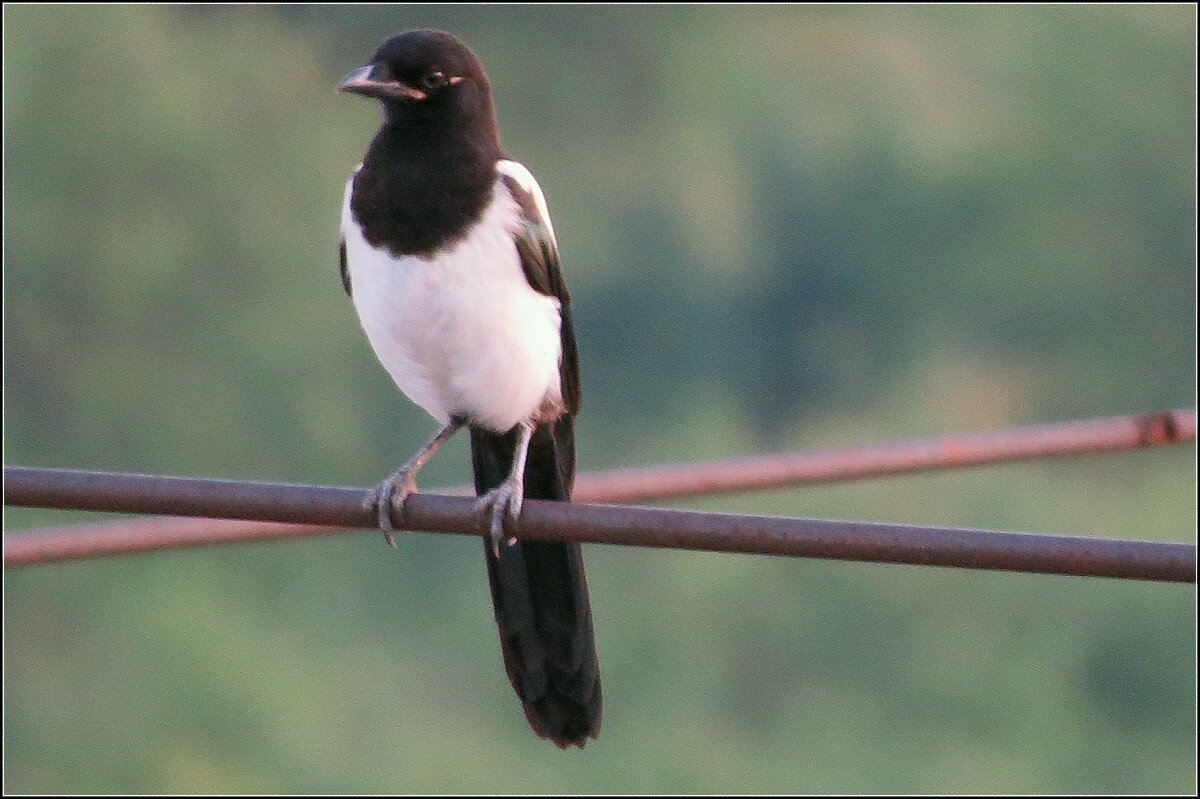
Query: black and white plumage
[(449, 256)]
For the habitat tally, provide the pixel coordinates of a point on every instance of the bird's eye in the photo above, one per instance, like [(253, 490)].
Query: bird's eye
[(434, 80)]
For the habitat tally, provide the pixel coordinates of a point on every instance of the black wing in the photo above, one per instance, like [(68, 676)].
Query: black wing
[(539, 591), (343, 269), (539, 259)]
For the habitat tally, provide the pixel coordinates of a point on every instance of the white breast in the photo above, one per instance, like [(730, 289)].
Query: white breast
[(461, 332)]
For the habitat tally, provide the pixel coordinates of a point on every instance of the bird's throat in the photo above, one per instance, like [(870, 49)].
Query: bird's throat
[(420, 191)]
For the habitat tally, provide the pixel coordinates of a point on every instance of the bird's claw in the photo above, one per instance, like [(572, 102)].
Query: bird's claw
[(386, 496), (503, 500)]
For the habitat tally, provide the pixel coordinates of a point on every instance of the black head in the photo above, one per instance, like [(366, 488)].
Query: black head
[(425, 77)]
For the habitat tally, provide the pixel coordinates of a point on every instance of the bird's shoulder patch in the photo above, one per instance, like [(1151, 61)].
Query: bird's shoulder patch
[(538, 250), (526, 191), (535, 237)]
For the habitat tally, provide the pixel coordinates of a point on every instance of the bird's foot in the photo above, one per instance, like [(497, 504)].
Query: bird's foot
[(388, 496), (503, 500)]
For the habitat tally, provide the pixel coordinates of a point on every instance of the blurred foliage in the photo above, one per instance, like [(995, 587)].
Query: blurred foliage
[(784, 227)]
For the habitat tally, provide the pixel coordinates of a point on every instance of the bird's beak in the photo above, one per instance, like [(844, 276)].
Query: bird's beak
[(373, 81)]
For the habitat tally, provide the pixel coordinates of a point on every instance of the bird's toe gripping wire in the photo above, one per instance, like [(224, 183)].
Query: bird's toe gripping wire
[(391, 493), (505, 500), (386, 496)]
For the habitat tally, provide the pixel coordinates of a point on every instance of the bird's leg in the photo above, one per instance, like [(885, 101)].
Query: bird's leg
[(402, 482), (507, 497)]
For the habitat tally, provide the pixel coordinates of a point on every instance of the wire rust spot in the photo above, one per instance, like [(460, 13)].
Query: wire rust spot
[(1158, 429), (952, 453)]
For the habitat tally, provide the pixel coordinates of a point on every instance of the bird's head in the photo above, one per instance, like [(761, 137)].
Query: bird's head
[(424, 76)]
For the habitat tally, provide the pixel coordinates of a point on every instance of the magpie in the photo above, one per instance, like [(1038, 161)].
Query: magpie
[(449, 257)]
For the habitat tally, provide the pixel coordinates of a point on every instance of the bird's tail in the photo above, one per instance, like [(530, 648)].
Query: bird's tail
[(539, 592)]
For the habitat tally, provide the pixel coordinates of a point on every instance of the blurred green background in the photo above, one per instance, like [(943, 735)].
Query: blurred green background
[(784, 227)]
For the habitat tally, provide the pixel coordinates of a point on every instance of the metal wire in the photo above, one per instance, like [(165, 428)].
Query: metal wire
[(1067, 439), (665, 482), (605, 524)]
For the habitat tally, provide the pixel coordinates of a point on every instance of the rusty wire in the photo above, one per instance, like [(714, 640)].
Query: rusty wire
[(605, 524), (665, 482), (1066, 439)]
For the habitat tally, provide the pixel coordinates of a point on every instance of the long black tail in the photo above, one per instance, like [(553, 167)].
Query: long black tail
[(540, 594)]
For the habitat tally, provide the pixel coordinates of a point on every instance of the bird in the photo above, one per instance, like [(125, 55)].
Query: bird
[(449, 257)]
